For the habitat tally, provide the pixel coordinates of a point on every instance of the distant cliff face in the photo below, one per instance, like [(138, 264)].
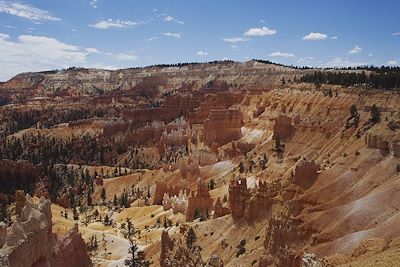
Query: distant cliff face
[(210, 76)]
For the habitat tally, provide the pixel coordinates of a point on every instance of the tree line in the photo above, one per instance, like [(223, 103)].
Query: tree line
[(386, 78)]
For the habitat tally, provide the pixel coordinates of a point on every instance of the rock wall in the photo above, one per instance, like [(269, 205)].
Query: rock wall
[(305, 174), (174, 253), (163, 188), (385, 137), (200, 200), (228, 119), (283, 126), (178, 204), (251, 204), (219, 209), (30, 241)]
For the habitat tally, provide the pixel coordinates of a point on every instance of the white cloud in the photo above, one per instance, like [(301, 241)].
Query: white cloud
[(93, 3), (315, 36), (127, 56), (202, 53), (152, 38), (92, 50), (235, 39), (334, 38), (169, 19), (393, 62), (281, 54), (26, 11), (396, 33), (172, 34), (355, 50), (262, 21), (110, 23), (34, 53), (305, 60), (260, 31), (342, 62)]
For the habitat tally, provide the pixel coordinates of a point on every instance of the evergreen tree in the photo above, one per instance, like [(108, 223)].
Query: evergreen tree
[(375, 115), (136, 256), (190, 238), (130, 227), (241, 167), (211, 185), (115, 203), (103, 194)]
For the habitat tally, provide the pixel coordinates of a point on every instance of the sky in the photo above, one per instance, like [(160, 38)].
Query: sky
[(55, 34)]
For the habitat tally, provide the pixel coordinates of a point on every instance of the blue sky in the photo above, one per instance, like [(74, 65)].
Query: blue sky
[(50, 34)]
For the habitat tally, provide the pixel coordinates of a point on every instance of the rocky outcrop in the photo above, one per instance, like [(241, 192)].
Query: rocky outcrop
[(30, 241), (163, 188), (199, 201), (178, 203), (70, 250), (280, 237), (175, 253), (251, 204), (219, 209), (228, 119), (215, 261), (305, 174), (385, 137), (3, 234), (19, 201), (283, 127)]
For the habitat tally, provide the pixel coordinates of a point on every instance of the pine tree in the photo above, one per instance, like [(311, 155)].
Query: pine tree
[(103, 194), (211, 185), (241, 167), (190, 238), (130, 227), (375, 114), (115, 203), (136, 256)]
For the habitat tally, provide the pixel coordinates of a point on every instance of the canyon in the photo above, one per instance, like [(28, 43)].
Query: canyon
[(212, 164)]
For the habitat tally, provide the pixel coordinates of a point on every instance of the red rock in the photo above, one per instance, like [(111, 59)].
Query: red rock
[(19, 201), (229, 120), (219, 210), (283, 127), (200, 200), (305, 174)]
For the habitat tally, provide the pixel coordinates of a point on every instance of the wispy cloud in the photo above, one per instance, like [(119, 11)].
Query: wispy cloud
[(26, 11), (152, 38), (315, 36), (281, 54), (202, 53), (34, 53), (127, 56), (173, 34), (116, 24), (334, 38), (235, 39), (260, 31), (355, 50), (172, 19), (393, 62), (92, 50), (396, 33), (93, 3)]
